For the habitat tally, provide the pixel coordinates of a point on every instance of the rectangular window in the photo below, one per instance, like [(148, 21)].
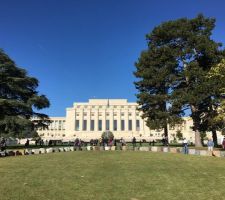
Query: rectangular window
[(77, 125), (56, 125), (52, 125), (84, 125), (122, 125), (107, 124), (92, 125), (137, 125), (60, 125), (63, 125), (130, 125), (115, 125), (100, 125)]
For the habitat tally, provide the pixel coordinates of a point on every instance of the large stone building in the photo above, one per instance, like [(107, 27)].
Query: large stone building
[(89, 119)]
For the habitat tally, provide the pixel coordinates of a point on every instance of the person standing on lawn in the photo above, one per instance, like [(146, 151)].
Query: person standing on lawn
[(210, 145), (134, 142), (185, 146)]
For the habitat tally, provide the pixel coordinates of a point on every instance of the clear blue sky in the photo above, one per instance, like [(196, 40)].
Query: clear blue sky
[(81, 49)]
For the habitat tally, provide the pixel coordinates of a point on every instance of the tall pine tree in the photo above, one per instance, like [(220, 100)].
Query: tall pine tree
[(155, 73), (19, 98), (194, 53)]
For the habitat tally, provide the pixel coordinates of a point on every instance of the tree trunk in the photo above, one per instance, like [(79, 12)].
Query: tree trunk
[(198, 142), (214, 136), (196, 123), (166, 131)]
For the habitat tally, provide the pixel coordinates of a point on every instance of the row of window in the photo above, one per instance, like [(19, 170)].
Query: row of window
[(107, 114), (51, 134), (55, 125), (107, 125), (78, 106)]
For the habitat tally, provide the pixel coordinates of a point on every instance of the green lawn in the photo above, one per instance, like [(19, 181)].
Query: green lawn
[(112, 175)]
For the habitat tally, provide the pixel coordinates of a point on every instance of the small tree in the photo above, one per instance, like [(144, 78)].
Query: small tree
[(107, 135)]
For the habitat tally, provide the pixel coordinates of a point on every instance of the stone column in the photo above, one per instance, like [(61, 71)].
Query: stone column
[(134, 121), (103, 119), (126, 119), (70, 121), (89, 120), (81, 119), (119, 120), (111, 120), (96, 120)]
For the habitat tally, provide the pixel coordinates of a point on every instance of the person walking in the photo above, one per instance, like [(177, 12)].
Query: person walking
[(134, 142), (210, 145), (185, 146), (153, 142), (140, 143), (76, 144)]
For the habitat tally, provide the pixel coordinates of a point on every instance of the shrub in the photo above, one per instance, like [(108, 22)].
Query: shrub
[(107, 135)]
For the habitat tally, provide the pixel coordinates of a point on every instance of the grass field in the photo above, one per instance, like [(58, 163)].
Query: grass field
[(112, 175)]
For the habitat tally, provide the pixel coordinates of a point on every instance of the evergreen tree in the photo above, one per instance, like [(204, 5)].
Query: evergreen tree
[(19, 99), (194, 54), (155, 73)]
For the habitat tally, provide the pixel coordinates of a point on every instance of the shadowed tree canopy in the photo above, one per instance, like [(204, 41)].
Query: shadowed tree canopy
[(155, 73), (191, 53), (19, 99)]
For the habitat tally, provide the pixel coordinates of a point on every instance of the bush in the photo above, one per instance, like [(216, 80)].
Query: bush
[(107, 135)]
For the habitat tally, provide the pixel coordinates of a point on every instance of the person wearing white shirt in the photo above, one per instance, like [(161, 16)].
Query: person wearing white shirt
[(185, 146)]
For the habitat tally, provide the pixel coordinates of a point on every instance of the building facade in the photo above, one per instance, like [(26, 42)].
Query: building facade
[(90, 119)]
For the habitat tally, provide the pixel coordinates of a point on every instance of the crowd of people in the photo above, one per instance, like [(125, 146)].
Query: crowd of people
[(104, 142), (78, 143)]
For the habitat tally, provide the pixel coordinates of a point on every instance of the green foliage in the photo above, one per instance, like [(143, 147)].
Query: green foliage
[(107, 135), (216, 78), (179, 134), (203, 136), (173, 73), (19, 99), (155, 74)]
